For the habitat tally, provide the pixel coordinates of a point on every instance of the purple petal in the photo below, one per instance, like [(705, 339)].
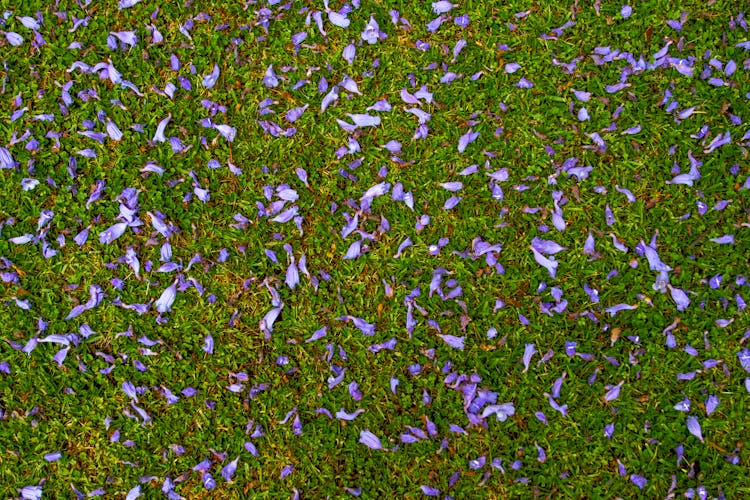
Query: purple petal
[(453, 341), (638, 480), (694, 427), (370, 440), (466, 139), (112, 233), (167, 298), (338, 20), (528, 352)]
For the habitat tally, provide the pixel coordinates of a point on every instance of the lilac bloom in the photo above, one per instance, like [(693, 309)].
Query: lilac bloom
[(442, 7), (452, 186), (113, 131), (13, 38), (430, 491), (226, 131), (370, 440), (626, 11), (363, 326), (632, 130), (555, 406), (364, 120), (159, 135), (711, 403), (292, 275), (372, 32), (512, 67), (228, 470), (638, 480), (393, 146), (609, 430), (680, 298), (112, 233), (134, 492), (208, 344), (453, 341), (126, 37), (449, 77), (404, 244), (338, 19), (165, 301), (694, 427), (329, 98), (727, 239), (548, 263), (269, 78), (343, 415), (23, 239), (613, 392), (349, 53), (744, 358), (528, 352), (523, 83), (547, 247), (718, 141), (619, 307), (466, 139), (295, 113), (354, 251), (31, 493), (502, 411)]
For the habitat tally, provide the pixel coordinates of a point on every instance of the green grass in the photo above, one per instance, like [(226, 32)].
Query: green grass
[(79, 407)]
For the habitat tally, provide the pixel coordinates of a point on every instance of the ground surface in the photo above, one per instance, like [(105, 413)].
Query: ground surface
[(388, 249)]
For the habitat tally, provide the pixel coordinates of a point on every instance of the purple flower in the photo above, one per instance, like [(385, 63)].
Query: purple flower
[(112, 233), (364, 120), (269, 78), (547, 247), (13, 38), (727, 239), (286, 470), (338, 19), (694, 427), (135, 492), (430, 491), (711, 403), (372, 33), (501, 411), (548, 263), (31, 493), (165, 301), (441, 7), (613, 392), (343, 415), (619, 307), (466, 139), (370, 440), (680, 298), (349, 53), (523, 83), (638, 480), (609, 430), (159, 135), (626, 11), (528, 352), (226, 131), (453, 341)]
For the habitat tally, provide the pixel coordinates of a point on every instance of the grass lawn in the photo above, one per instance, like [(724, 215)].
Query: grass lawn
[(377, 249)]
